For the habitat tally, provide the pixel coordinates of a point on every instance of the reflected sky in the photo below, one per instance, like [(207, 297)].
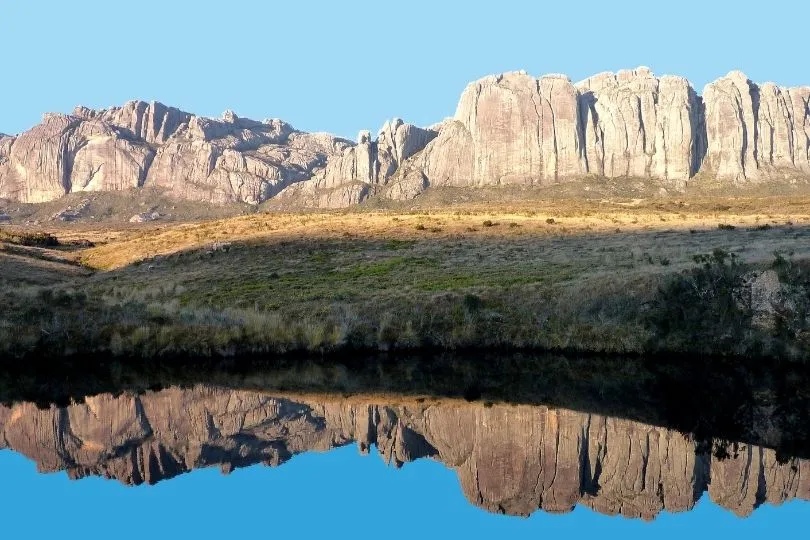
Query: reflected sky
[(437, 468), (339, 494)]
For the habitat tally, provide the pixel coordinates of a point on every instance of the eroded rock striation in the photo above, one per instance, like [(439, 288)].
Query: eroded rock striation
[(509, 459), (511, 128), (215, 160)]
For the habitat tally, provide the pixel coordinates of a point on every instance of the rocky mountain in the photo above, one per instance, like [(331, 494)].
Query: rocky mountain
[(508, 129), (509, 458)]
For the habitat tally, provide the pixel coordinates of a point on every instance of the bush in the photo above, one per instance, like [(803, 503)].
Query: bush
[(727, 308), (41, 239), (702, 310)]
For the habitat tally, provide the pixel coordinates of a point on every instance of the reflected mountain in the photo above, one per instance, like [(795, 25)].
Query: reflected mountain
[(510, 458)]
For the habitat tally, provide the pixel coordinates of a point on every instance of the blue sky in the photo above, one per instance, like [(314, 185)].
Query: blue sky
[(342, 66), (339, 494)]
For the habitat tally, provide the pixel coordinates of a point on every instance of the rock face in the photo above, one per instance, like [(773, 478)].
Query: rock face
[(65, 154), (509, 459), (218, 161), (637, 125), (756, 132), (153, 122), (359, 171), (508, 129)]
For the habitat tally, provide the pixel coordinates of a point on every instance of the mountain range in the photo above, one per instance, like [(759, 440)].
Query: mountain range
[(511, 128)]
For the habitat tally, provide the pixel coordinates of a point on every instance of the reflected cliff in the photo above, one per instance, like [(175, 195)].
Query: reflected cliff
[(512, 459), (760, 403)]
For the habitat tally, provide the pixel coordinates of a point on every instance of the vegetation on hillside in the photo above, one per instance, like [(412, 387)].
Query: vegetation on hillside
[(578, 277)]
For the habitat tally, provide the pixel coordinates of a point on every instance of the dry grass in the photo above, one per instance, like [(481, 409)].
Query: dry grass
[(609, 223), (551, 274)]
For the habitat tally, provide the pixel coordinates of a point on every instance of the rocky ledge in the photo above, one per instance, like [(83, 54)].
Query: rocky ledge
[(511, 128)]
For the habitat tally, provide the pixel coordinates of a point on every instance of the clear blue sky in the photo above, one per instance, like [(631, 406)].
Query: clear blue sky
[(339, 494), (342, 66)]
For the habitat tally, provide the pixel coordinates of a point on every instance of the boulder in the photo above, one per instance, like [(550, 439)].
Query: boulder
[(72, 213), (145, 217)]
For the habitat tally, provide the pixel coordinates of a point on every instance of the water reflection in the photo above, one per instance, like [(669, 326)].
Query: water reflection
[(512, 459)]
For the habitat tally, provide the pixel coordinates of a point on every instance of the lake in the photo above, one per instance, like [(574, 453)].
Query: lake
[(249, 449)]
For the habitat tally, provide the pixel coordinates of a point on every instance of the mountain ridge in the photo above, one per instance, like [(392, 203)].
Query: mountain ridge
[(510, 128)]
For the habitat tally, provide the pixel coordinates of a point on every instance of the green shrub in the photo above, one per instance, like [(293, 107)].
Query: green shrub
[(702, 310)]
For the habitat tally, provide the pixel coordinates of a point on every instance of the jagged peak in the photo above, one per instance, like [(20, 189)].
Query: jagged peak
[(556, 76), (364, 136), (438, 126), (51, 116), (390, 126), (691, 138), (737, 76), (609, 79), (640, 71), (136, 104), (675, 78)]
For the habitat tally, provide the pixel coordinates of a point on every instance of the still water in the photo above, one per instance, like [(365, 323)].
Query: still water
[(210, 461)]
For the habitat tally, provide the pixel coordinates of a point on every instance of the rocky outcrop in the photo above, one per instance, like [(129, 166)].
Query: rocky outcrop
[(523, 130), (510, 459), (145, 217), (396, 142), (511, 128), (446, 161), (350, 178), (219, 161), (756, 132), (65, 154), (637, 125), (5, 146), (316, 193), (514, 128), (153, 122), (238, 160)]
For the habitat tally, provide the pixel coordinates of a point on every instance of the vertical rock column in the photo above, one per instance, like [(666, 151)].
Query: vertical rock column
[(731, 128), (364, 157)]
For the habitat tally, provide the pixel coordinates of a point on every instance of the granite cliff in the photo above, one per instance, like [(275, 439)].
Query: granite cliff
[(509, 459), (511, 128)]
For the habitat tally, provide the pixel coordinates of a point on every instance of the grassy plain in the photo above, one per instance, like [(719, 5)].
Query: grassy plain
[(577, 274)]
